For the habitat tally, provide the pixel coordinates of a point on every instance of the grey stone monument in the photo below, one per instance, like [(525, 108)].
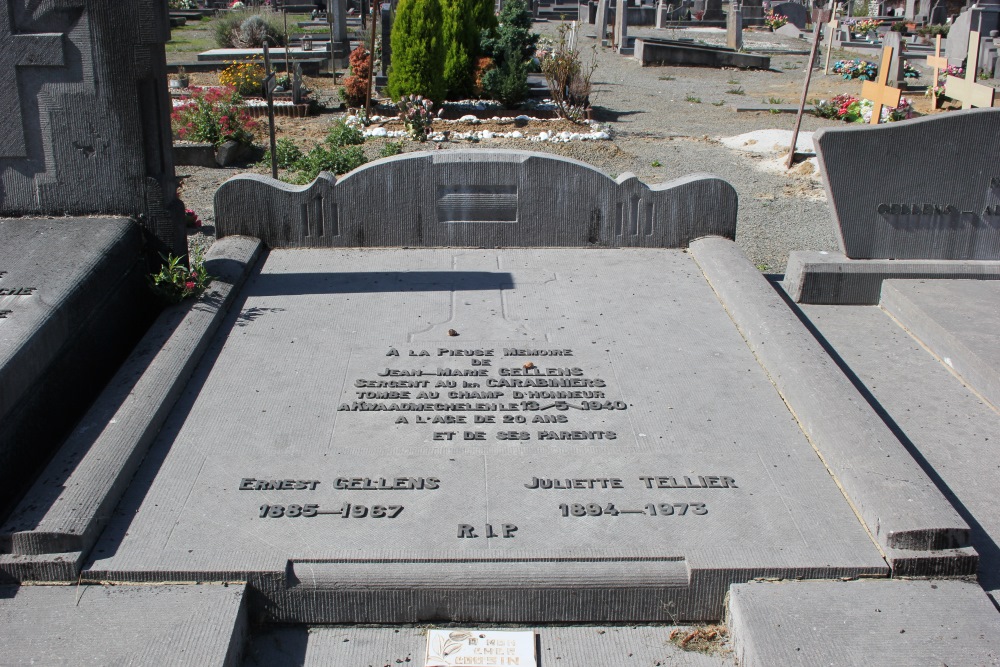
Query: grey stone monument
[(340, 45), (87, 115), (713, 11), (386, 44), (895, 40), (621, 26), (734, 28), (602, 21), (794, 12), (957, 44)]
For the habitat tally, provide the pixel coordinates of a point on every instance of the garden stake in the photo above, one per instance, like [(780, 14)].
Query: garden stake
[(270, 82), (880, 92), (371, 68), (819, 16)]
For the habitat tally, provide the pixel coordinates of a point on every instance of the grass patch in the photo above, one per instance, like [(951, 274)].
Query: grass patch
[(733, 82), (736, 91), (692, 99), (667, 78), (718, 104), (775, 100)]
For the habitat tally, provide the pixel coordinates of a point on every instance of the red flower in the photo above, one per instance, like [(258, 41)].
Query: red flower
[(189, 285)]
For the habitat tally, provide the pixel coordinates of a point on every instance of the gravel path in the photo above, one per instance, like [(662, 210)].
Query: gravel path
[(674, 117)]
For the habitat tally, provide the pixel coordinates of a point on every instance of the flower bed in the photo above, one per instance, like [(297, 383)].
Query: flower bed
[(851, 109), (865, 70), (384, 126)]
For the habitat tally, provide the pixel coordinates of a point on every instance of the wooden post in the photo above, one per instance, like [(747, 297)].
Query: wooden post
[(832, 27), (819, 16), (880, 92), (270, 82), (967, 91), (938, 62), (371, 68)]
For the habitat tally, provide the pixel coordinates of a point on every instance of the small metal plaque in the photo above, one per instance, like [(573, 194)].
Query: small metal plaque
[(270, 83), (448, 648)]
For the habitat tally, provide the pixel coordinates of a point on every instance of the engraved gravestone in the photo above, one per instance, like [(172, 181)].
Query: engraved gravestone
[(85, 123), (543, 408)]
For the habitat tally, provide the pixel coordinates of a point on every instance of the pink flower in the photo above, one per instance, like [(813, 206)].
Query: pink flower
[(189, 285)]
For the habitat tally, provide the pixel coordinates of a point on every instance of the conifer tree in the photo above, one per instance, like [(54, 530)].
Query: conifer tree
[(417, 50), (464, 22)]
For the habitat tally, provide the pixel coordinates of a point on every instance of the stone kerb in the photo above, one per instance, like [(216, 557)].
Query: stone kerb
[(469, 198), (914, 189)]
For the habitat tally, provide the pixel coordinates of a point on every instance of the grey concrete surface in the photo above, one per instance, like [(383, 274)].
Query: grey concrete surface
[(949, 431), (296, 387), (196, 626), (863, 623), (958, 321), (899, 504), (631, 646)]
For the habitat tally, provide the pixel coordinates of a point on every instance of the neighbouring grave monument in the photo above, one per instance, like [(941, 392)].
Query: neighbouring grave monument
[(86, 134)]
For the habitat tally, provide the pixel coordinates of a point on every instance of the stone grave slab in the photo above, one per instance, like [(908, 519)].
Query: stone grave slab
[(337, 444), (957, 320), (123, 625), (948, 428), (650, 51), (864, 623), (73, 300)]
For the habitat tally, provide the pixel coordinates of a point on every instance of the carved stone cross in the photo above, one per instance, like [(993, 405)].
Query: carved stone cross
[(17, 51), (967, 91), (879, 91)]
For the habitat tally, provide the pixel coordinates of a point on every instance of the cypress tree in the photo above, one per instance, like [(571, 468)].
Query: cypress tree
[(417, 50), (463, 23)]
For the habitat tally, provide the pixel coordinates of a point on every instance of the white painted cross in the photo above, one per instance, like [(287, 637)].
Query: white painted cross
[(20, 50), (967, 91), (879, 91)]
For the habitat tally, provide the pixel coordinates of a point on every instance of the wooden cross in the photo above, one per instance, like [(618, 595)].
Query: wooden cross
[(937, 61), (967, 91), (19, 50), (880, 92), (831, 35)]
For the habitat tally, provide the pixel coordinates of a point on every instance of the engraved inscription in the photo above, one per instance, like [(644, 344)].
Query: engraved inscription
[(477, 203), (12, 291)]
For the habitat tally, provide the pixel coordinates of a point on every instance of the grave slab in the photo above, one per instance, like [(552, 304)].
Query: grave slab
[(958, 321), (123, 625), (864, 623), (949, 430), (73, 300), (591, 645), (355, 462), (675, 52)]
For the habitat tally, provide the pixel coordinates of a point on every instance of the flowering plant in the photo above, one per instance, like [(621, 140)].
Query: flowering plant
[(774, 21), (236, 4), (415, 112), (176, 282), (851, 109), (864, 27), (213, 116), (910, 72), (191, 218), (246, 78)]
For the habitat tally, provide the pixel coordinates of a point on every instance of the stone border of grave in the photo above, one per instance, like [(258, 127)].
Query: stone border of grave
[(51, 531)]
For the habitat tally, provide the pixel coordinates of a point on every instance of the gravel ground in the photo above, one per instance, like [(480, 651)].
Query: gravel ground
[(673, 117)]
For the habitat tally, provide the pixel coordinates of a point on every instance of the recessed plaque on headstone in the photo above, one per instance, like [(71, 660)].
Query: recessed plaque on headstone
[(456, 648)]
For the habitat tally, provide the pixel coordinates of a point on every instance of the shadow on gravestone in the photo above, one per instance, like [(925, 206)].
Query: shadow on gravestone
[(933, 192), (86, 126), (794, 12), (476, 198)]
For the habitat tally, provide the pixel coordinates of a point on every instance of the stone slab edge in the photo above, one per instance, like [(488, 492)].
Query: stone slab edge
[(63, 514), (898, 503), (977, 372), (833, 279)]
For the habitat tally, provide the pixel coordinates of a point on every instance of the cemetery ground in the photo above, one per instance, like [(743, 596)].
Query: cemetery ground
[(665, 122)]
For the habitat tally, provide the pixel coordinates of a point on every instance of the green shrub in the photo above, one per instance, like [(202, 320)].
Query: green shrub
[(463, 23), (287, 152), (341, 134), (510, 46), (391, 148), (417, 50), (248, 29), (335, 159)]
